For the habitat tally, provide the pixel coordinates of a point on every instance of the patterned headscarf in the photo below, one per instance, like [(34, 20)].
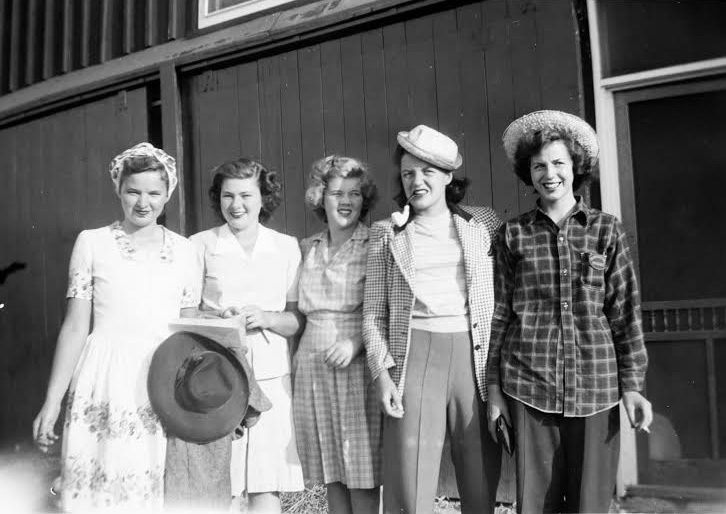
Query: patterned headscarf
[(144, 150)]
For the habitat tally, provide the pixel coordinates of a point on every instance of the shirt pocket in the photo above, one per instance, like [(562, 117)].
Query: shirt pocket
[(593, 269)]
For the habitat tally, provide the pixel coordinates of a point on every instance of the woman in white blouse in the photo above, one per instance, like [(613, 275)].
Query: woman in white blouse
[(251, 271)]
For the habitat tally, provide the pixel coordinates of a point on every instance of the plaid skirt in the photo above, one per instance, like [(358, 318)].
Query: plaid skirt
[(336, 413)]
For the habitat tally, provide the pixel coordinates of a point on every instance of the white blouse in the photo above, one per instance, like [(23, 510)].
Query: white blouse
[(267, 277)]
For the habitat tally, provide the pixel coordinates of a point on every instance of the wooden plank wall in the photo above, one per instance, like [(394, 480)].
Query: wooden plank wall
[(40, 39), (56, 184), (467, 70)]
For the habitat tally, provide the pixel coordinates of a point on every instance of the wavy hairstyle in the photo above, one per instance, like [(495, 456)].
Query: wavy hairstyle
[(270, 188), (455, 190), (532, 143), (332, 166), (139, 164)]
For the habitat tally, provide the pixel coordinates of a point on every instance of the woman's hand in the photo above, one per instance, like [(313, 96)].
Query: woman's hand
[(43, 426), (639, 410), (252, 316), (496, 406), (341, 353), (391, 403)]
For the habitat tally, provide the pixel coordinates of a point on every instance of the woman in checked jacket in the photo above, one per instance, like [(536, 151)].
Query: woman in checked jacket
[(426, 323)]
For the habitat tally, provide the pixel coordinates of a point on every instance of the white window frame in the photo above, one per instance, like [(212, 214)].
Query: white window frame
[(605, 89), (207, 19)]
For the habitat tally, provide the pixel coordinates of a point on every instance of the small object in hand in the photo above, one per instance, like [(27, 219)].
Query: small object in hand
[(504, 435), (645, 429)]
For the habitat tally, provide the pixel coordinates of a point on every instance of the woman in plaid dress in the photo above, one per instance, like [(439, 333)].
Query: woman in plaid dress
[(337, 419)]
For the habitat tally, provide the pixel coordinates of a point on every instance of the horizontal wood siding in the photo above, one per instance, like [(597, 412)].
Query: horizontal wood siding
[(469, 71), (57, 184)]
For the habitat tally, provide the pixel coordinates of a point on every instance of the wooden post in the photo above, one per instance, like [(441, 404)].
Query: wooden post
[(173, 142)]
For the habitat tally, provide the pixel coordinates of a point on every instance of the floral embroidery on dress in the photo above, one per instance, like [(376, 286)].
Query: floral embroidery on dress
[(84, 476), (126, 246), (104, 422), (80, 283)]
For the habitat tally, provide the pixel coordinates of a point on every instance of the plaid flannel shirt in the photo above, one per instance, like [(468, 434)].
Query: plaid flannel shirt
[(389, 296), (566, 333)]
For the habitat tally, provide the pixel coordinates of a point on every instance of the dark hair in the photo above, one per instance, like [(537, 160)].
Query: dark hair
[(139, 164), (532, 143), (339, 166), (455, 190), (270, 188)]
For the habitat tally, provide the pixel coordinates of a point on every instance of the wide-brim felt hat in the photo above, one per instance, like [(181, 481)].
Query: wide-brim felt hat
[(576, 127), (431, 146), (167, 378)]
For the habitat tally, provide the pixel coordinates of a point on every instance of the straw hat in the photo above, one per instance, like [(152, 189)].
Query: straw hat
[(431, 146), (197, 388), (570, 124)]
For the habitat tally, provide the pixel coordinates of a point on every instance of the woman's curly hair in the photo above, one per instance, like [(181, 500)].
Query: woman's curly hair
[(532, 143), (333, 166), (270, 188)]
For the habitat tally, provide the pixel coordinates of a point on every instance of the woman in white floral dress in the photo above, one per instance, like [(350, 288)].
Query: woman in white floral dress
[(126, 282), (337, 417)]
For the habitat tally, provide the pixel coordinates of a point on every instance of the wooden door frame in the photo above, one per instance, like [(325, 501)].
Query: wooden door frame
[(605, 89)]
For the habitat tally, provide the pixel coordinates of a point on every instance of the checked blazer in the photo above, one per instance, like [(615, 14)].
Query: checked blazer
[(389, 295)]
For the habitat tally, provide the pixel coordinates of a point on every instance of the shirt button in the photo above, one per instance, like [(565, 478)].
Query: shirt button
[(561, 239), (475, 325), (564, 272), (477, 347), (565, 306)]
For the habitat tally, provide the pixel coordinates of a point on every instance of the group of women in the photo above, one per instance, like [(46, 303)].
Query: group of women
[(393, 325)]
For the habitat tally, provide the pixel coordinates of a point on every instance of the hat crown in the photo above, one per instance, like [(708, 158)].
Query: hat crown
[(431, 146), (205, 382)]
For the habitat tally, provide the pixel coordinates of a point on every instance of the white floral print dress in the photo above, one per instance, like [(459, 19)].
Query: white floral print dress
[(113, 444)]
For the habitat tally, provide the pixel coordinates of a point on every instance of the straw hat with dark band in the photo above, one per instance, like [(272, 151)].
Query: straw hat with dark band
[(579, 129), (197, 388)]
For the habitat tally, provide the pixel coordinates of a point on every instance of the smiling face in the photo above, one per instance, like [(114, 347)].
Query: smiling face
[(426, 182), (552, 175), (240, 201), (143, 196), (343, 202)]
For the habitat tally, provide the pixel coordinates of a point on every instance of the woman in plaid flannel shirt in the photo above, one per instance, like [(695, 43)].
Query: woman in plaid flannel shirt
[(567, 342), (426, 317), (337, 419)]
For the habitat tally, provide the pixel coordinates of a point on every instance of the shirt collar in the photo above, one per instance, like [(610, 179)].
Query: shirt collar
[(227, 242), (359, 234), (582, 212)]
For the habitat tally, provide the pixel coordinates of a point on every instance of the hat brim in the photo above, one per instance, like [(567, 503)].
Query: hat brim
[(424, 155), (579, 129), (187, 425)]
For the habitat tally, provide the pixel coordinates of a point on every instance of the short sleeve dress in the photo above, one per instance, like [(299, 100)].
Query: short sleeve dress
[(265, 459), (113, 444), (337, 417)]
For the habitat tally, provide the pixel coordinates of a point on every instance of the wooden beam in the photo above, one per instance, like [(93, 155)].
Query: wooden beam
[(176, 26), (68, 33), (152, 22), (86, 37), (50, 32), (712, 398), (16, 52), (4, 66), (129, 26), (107, 30), (173, 142), (33, 50)]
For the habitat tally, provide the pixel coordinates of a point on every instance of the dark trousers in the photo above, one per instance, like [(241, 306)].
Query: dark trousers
[(565, 464), (197, 475), (440, 395)]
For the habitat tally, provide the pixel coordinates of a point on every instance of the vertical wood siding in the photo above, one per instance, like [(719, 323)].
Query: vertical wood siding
[(469, 71), (43, 38), (55, 185)]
